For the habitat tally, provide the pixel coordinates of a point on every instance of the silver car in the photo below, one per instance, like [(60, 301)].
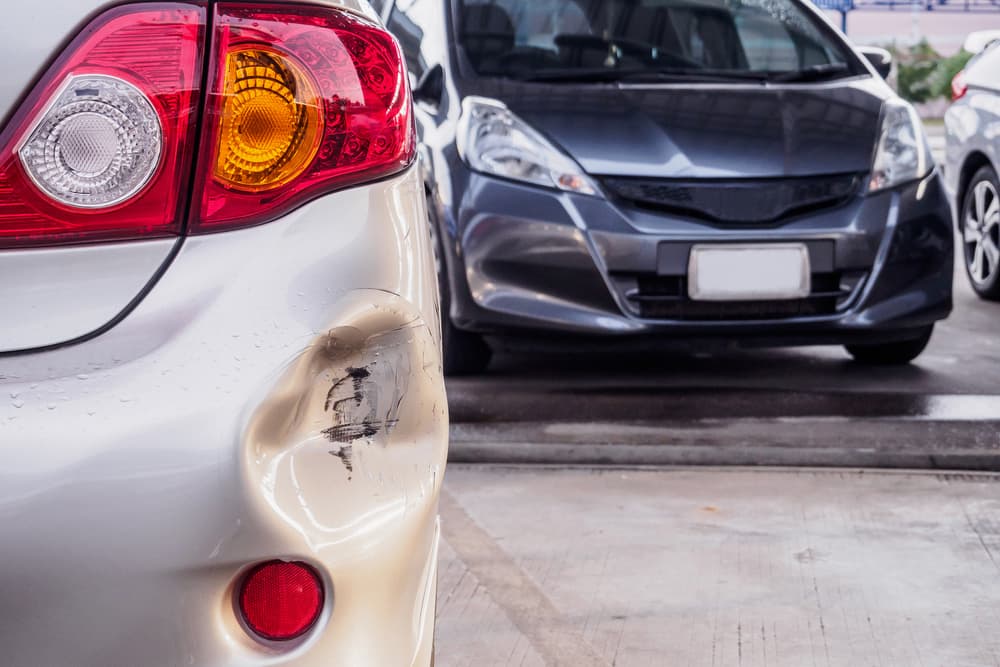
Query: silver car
[(222, 412), (973, 159)]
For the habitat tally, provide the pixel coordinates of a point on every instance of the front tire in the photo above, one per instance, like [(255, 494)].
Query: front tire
[(891, 354), (465, 353), (980, 230)]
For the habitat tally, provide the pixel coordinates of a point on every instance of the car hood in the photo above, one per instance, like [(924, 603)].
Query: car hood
[(709, 131)]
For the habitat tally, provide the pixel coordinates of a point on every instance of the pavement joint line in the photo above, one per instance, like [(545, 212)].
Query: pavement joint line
[(528, 608), (964, 475)]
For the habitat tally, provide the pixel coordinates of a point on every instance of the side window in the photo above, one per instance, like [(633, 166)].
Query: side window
[(378, 5), (417, 24)]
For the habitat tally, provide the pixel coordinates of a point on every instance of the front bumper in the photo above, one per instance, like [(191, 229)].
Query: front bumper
[(535, 262), (146, 469)]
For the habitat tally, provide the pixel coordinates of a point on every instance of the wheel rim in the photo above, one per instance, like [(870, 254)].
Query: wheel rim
[(981, 233)]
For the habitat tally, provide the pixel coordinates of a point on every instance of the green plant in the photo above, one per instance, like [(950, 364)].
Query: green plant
[(940, 79), (922, 74)]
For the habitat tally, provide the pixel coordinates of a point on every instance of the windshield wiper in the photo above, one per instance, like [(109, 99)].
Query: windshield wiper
[(813, 73)]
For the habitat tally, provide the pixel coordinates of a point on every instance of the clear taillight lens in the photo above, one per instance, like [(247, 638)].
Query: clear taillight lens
[(303, 100), (98, 143), (102, 148)]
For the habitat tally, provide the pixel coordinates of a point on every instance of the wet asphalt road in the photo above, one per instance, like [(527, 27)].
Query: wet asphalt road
[(801, 406)]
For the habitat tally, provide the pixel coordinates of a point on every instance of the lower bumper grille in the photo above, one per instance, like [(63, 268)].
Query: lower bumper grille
[(665, 298)]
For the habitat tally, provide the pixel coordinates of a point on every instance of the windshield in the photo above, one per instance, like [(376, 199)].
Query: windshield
[(609, 39)]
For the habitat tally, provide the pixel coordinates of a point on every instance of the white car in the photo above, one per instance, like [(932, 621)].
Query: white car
[(972, 126), (977, 42), (222, 415)]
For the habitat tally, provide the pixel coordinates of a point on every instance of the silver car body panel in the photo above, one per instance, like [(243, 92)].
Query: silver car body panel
[(277, 394), (52, 295)]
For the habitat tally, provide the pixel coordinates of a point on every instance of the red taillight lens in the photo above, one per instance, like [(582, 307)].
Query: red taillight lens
[(302, 100), (103, 144), (280, 601), (959, 87)]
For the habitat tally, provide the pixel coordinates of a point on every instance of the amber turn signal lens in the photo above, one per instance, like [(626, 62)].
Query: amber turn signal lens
[(271, 121)]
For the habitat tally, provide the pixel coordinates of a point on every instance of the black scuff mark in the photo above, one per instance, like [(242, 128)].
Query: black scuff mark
[(346, 456), (352, 432), (356, 377), (353, 402), (362, 407), (392, 413), (394, 410)]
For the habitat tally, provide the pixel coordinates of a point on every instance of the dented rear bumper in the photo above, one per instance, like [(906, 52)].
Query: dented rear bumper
[(278, 394)]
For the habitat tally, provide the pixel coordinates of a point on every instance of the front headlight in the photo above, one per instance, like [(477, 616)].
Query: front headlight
[(903, 154), (494, 141)]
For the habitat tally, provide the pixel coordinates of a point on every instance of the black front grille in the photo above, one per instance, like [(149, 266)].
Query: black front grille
[(737, 201), (665, 298)]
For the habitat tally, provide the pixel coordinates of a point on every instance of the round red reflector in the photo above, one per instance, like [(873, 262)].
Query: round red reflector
[(281, 601)]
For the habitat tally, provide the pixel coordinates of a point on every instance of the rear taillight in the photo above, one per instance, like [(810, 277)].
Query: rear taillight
[(301, 100), (102, 146), (959, 86)]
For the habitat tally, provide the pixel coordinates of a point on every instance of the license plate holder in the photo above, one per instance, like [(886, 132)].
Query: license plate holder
[(749, 272)]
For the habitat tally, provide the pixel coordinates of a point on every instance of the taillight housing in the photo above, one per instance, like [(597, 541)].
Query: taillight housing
[(959, 86), (103, 144), (302, 100), (117, 141)]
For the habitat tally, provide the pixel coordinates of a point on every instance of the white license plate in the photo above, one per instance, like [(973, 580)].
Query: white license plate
[(748, 272)]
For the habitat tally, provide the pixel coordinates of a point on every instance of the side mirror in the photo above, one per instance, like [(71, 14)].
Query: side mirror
[(880, 59), (430, 87)]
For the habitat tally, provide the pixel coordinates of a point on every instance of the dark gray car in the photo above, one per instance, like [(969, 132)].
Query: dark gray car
[(671, 171)]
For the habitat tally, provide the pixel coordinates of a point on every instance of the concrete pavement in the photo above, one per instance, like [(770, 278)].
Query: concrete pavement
[(599, 567)]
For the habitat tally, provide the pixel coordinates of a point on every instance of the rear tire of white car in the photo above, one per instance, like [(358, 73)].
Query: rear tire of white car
[(465, 353), (979, 227), (892, 354)]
